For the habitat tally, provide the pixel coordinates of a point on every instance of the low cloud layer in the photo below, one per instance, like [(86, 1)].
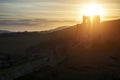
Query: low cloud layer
[(15, 23), (31, 22)]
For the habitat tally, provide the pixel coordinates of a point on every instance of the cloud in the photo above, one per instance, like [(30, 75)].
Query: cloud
[(111, 17), (3, 15), (60, 1), (15, 23), (30, 22)]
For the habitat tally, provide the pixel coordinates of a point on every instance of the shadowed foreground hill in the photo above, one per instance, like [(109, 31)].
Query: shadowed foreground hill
[(76, 53), (87, 56)]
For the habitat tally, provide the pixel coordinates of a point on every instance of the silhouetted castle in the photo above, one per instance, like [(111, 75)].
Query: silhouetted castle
[(94, 21), (86, 20)]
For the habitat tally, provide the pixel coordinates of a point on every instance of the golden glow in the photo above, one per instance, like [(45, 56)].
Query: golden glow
[(92, 9)]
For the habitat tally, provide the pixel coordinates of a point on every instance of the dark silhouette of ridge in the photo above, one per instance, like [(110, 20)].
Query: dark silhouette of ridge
[(74, 53), (84, 59)]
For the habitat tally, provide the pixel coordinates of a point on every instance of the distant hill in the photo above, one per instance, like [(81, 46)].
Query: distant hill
[(4, 31), (58, 28)]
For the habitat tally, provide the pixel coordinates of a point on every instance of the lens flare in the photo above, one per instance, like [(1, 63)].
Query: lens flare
[(92, 9)]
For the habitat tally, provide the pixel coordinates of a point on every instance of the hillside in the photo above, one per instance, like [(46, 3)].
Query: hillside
[(80, 53)]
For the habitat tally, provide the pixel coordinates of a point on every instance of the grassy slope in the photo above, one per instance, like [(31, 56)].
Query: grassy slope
[(99, 62), (18, 44)]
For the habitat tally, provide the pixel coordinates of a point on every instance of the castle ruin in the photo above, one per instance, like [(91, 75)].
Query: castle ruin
[(89, 21)]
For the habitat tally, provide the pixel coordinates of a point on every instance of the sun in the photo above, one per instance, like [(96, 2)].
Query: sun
[(92, 9)]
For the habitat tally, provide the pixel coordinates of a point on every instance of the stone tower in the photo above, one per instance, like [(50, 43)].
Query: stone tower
[(96, 20), (86, 20)]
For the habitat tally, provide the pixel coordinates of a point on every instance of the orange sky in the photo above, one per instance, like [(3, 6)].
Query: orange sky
[(50, 13)]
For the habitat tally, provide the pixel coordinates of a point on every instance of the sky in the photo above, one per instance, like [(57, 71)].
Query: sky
[(21, 15)]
